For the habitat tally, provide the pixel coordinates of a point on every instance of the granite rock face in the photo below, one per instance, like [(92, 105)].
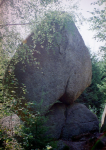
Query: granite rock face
[(63, 122), (67, 121), (79, 120), (50, 72), (56, 120)]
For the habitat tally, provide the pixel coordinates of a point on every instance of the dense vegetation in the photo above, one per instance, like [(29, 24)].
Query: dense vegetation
[(98, 24), (94, 97)]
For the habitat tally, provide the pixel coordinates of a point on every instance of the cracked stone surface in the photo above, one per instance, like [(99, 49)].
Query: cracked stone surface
[(79, 120), (56, 120), (64, 121), (68, 121), (63, 72)]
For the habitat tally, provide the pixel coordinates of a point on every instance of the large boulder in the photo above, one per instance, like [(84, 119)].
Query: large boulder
[(52, 64), (56, 120), (79, 120), (65, 122)]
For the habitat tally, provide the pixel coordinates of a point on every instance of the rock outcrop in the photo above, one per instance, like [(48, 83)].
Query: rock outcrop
[(52, 64), (79, 120), (56, 120), (64, 122), (96, 141)]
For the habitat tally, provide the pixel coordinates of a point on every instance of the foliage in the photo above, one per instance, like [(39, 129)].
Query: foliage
[(49, 32), (31, 134), (7, 141), (25, 15), (98, 22), (93, 97)]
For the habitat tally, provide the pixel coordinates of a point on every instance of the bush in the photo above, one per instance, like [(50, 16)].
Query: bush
[(93, 97), (32, 132)]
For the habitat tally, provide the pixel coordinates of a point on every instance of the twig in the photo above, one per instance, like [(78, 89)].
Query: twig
[(13, 24)]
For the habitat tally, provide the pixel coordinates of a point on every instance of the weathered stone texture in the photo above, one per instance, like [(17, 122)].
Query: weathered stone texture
[(56, 120), (64, 71), (79, 120), (68, 121)]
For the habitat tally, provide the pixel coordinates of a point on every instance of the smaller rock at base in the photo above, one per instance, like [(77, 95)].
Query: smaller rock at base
[(79, 120), (55, 120), (10, 122), (64, 122)]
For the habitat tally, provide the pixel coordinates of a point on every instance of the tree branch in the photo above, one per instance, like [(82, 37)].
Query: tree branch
[(14, 24)]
